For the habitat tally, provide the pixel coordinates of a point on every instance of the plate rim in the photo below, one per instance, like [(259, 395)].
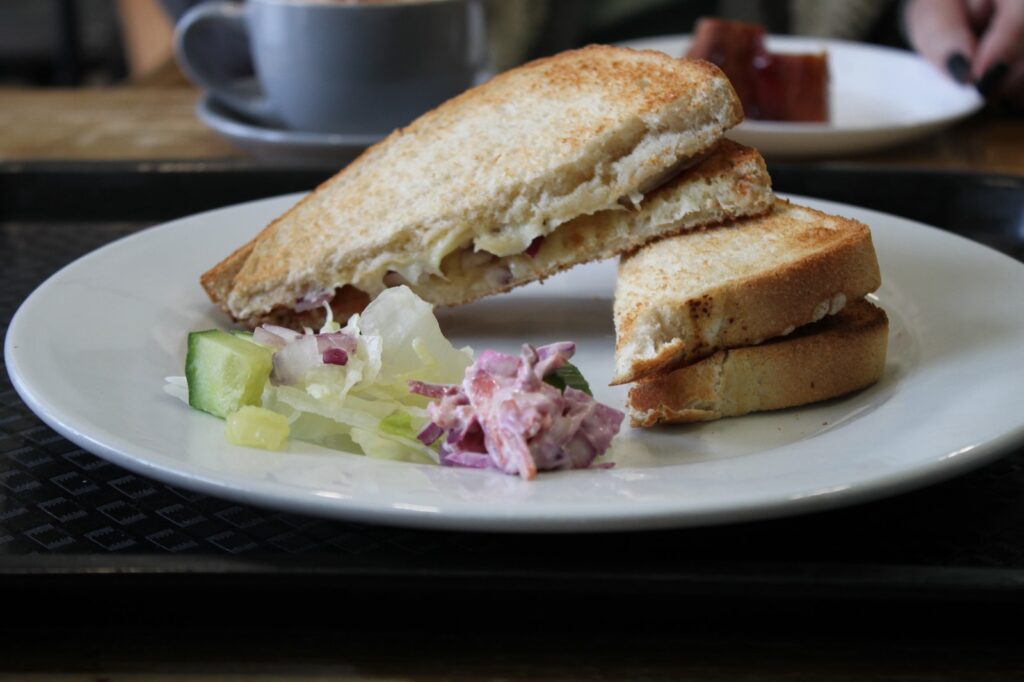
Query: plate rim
[(206, 110), (872, 488)]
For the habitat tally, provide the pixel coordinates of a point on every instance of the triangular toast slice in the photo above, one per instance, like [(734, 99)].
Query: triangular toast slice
[(681, 299), (493, 170)]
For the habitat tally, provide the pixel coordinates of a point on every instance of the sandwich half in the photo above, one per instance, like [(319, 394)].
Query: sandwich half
[(835, 356), (681, 299), (492, 173)]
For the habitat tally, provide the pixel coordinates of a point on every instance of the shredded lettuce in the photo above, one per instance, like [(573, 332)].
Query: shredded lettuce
[(412, 346), (374, 444), (364, 404), (398, 424)]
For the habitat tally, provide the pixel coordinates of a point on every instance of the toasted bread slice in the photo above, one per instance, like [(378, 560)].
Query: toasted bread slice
[(835, 356), (683, 298), (731, 183), (491, 169)]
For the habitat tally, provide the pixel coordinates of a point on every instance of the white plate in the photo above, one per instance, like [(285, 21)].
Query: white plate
[(880, 97), (89, 349)]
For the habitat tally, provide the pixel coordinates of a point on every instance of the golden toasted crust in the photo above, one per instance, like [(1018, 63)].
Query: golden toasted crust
[(217, 281), (681, 299), (504, 162), (833, 357)]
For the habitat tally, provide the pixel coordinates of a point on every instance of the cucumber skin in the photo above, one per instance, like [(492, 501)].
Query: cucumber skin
[(225, 372)]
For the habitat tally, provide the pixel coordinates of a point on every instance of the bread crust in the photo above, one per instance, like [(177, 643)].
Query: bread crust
[(682, 299), (835, 356), (531, 149)]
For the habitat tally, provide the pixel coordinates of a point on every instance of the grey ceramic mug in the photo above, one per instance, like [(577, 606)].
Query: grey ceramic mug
[(338, 67)]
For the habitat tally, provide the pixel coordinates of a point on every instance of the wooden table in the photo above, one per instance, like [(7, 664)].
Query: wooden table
[(159, 123), (751, 642), (109, 124)]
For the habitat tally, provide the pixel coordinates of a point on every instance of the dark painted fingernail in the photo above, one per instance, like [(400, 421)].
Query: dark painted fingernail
[(959, 68), (991, 79)]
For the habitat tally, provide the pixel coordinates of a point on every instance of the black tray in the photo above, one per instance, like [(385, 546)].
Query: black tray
[(69, 520)]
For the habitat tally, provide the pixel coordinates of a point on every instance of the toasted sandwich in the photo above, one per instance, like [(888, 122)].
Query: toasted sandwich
[(684, 298), (835, 356), (543, 167)]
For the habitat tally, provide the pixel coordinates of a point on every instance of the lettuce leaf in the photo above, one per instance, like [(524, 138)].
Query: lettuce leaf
[(365, 404)]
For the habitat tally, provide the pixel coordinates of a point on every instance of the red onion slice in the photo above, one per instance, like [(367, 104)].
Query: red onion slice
[(534, 246), (498, 276), (335, 356), (430, 433), (274, 336), (313, 300), (295, 359), (336, 340)]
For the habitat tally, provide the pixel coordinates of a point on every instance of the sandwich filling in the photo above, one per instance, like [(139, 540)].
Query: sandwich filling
[(501, 255), (476, 264)]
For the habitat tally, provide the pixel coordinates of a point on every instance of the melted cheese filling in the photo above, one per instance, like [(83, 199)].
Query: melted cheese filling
[(466, 256)]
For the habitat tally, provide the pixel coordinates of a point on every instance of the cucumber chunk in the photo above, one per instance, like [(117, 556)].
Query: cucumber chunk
[(225, 372), (250, 337), (257, 427)]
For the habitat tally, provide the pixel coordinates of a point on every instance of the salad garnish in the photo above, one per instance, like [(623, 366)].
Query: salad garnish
[(390, 385)]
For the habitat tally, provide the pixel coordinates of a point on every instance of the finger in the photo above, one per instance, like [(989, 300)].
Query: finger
[(1011, 90), (979, 12), (1003, 40), (939, 30)]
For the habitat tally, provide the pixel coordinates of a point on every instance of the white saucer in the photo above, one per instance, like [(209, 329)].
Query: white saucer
[(880, 97), (280, 145)]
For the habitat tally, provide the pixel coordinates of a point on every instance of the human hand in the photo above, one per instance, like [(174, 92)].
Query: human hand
[(975, 41)]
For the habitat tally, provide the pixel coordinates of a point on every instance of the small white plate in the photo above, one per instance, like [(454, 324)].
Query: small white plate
[(279, 144), (880, 97), (89, 349)]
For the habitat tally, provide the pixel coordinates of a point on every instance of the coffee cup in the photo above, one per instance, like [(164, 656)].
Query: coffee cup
[(359, 67)]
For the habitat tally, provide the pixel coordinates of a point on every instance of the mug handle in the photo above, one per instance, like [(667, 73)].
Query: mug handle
[(243, 97)]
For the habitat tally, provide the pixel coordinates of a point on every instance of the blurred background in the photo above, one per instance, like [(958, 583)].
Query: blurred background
[(73, 43)]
